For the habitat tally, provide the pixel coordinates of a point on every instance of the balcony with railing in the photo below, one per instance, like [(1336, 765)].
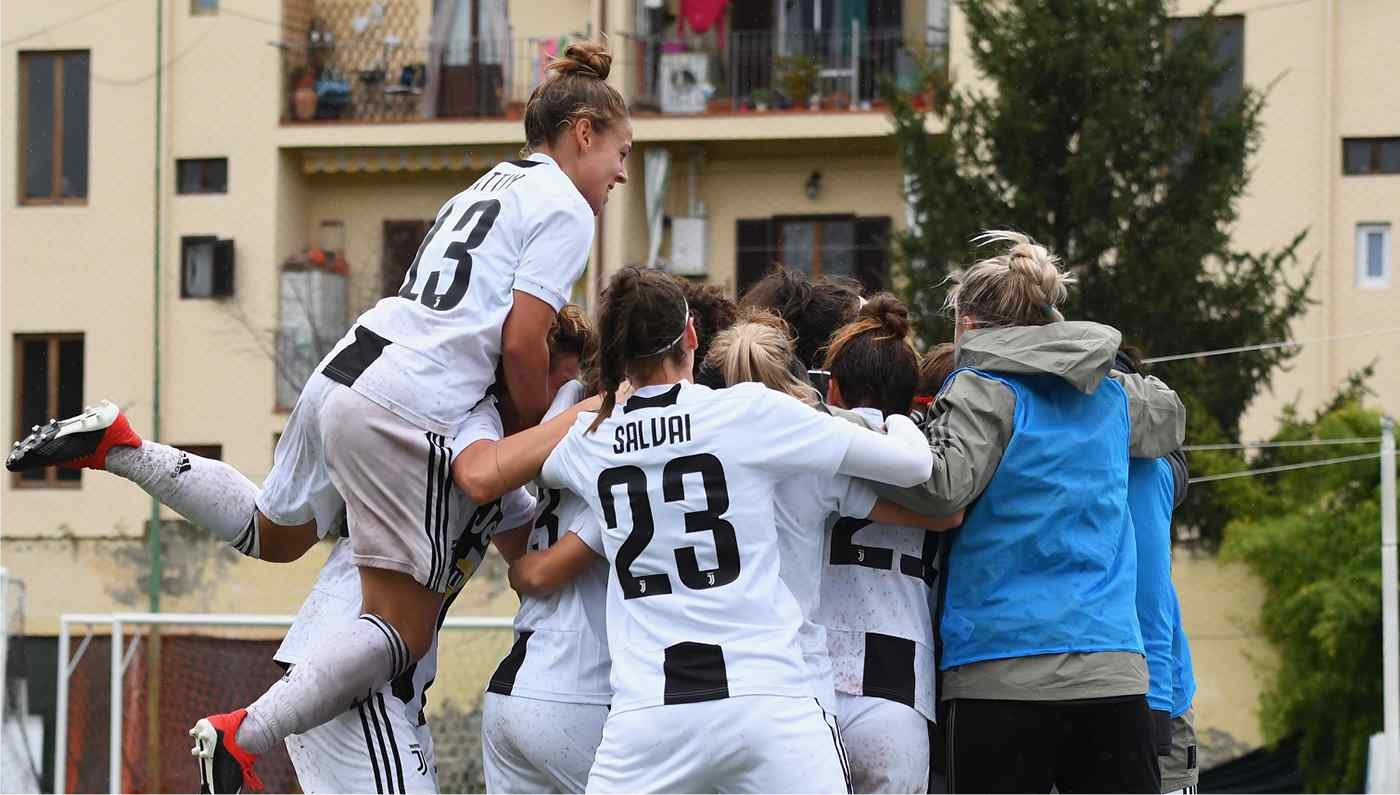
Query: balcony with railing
[(348, 61), (763, 71)]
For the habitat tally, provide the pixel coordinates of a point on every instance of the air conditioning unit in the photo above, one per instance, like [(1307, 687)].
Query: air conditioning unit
[(206, 267), (688, 246), (684, 76)]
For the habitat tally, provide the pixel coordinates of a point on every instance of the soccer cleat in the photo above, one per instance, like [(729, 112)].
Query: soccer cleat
[(75, 443), (223, 765)]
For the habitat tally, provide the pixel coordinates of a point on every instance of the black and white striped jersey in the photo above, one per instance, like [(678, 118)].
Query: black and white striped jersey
[(875, 596), (682, 479), (436, 343), (560, 651)]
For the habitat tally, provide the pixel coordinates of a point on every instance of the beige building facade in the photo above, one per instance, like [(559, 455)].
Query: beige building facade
[(342, 126)]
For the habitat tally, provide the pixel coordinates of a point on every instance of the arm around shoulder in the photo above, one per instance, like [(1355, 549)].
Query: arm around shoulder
[(1155, 413)]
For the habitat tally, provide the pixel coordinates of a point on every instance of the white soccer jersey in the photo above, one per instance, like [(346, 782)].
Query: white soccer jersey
[(430, 352), (336, 597), (875, 598), (561, 646), (683, 479), (802, 508)]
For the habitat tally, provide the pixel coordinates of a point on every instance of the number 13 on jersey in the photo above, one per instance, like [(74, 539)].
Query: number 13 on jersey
[(470, 229)]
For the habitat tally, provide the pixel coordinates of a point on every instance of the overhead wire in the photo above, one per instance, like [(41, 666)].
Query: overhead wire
[(1244, 473), (1264, 445), (1268, 346)]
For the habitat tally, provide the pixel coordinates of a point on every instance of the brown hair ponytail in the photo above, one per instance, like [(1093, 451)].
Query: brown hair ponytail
[(574, 89), (872, 360), (640, 325)]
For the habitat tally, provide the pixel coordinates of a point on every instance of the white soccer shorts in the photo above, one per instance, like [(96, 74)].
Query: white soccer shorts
[(531, 745), (887, 743), (738, 744), (372, 747), (298, 488)]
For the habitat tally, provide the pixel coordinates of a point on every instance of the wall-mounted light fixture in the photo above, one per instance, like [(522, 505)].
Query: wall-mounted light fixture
[(814, 185)]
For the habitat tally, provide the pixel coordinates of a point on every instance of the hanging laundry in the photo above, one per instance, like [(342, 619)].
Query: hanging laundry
[(701, 14)]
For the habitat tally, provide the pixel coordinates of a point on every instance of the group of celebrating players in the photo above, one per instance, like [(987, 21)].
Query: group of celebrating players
[(766, 546)]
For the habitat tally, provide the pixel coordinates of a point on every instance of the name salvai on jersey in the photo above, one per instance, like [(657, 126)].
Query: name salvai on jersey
[(876, 593), (560, 651), (681, 479), (429, 353)]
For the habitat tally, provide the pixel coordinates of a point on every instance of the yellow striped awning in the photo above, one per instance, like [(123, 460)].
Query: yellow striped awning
[(374, 160)]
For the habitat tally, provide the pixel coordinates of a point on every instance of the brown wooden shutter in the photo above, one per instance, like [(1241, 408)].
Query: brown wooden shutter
[(872, 252), (753, 251), (401, 239)]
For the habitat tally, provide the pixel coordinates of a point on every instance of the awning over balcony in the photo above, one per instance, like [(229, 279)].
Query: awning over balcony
[(372, 160)]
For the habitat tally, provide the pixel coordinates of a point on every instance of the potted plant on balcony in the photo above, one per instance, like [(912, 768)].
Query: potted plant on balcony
[(762, 99), (797, 79), (303, 93)]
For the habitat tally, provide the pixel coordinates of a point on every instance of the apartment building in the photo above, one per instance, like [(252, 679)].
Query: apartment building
[(199, 194)]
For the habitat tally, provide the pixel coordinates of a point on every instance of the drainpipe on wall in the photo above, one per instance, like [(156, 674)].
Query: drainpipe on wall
[(153, 532)]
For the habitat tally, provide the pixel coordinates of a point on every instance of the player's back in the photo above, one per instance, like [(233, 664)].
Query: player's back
[(429, 352), (683, 478), (875, 596)]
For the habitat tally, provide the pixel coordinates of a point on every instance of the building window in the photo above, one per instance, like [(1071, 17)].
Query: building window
[(1370, 156), (48, 385), (204, 7), (817, 245), (53, 129), (1228, 56), (1372, 255), (213, 452), (206, 267), (202, 175)]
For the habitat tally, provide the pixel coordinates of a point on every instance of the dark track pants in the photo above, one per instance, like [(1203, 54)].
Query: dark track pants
[(1092, 745)]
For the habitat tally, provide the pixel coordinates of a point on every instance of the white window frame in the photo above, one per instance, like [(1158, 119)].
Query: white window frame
[(1363, 279)]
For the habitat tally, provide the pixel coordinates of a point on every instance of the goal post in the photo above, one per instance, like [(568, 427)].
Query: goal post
[(112, 720)]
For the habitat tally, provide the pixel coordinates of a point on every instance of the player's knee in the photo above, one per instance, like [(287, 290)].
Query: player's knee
[(404, 604)]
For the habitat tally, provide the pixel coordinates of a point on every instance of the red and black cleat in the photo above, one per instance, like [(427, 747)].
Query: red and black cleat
[(223, 765), (75, 443)]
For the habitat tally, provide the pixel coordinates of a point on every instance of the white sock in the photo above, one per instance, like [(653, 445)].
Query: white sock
[(210, 493), (341, 671)]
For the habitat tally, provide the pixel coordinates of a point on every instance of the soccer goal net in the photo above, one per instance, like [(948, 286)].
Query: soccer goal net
[(131, 685)]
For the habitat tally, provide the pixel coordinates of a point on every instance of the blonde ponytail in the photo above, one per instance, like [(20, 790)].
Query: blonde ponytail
[(759, 348)]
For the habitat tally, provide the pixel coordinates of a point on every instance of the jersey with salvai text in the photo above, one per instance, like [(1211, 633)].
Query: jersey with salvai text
[(429, 353), (336, 597), (561, 646), (682, 479), (875, 599)]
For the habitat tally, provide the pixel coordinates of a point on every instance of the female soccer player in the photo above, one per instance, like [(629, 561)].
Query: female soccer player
[(372, 432), (1042, 657), (710, 690)]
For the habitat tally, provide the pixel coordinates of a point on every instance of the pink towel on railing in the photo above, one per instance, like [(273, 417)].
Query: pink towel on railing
[(701, 14)]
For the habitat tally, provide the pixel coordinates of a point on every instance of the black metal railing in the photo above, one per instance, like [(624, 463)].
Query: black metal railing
[(829, 69), (377, 79)]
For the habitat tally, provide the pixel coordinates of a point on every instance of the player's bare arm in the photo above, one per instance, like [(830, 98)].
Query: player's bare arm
[(487, 469), (543, 572), (525, 357)]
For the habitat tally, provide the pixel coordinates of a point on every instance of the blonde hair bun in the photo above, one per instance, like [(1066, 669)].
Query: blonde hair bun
[(1022, 286), (586, 58)]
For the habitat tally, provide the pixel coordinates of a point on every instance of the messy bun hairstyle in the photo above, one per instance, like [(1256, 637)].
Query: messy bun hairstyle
[(572, 333), (641, 325), (813, 310), (1022, 287), (759, 348), (574, 88), (872, 360)]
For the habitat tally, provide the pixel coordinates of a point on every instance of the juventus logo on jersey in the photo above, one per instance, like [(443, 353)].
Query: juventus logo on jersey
[(422, 761)]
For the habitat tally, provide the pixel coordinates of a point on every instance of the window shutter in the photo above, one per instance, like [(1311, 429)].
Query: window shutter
[(872, 252), (223, 267), (753, 242), (401, 240)]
